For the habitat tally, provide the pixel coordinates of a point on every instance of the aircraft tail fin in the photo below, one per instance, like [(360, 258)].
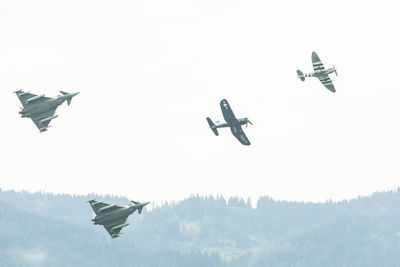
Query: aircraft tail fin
[(68, 99), (300, 75), (69, 96), (212, 126)]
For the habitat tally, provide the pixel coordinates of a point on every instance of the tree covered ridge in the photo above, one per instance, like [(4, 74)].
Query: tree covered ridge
[(48, 230)]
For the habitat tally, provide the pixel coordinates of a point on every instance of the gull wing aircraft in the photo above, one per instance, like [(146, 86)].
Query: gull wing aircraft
[(40, 108), (113, 217), (231, 122), (319, 72)]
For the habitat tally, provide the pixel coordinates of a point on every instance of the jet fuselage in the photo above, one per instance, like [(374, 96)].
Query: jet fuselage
[(113, 215), (42, 107), (46, 105)]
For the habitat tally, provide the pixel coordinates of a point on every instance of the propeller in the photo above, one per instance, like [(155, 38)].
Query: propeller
[(247, 122), (334, 69)]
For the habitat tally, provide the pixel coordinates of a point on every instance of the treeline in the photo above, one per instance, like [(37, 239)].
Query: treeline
[(55, 230)]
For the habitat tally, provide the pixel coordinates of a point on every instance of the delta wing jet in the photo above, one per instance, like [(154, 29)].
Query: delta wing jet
[(113, 217), (232, 122), (40, 108), (319, 72)]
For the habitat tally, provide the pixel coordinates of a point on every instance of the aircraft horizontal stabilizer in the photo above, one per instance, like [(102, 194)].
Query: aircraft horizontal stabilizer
[(212, 126), (300, 75)]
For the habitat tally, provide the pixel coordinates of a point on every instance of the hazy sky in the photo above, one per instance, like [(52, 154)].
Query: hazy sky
[(150, 72)]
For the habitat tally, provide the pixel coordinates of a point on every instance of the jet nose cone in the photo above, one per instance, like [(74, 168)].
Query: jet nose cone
[(74, 94), (145, 203)]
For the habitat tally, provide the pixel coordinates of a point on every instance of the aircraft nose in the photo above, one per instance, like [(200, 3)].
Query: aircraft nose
[(74, 94), (146, 203)]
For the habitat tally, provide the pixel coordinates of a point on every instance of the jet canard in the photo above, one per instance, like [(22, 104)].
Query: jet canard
[(40, 108), (113, 217), (232, 122), (319, 72)]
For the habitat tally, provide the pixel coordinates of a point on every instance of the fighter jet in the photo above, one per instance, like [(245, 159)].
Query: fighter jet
[(232, 122), (113, 217), (41, 109), (319, 72)]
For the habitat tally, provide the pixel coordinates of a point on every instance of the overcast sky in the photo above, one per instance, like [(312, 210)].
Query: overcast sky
[(150, 72)]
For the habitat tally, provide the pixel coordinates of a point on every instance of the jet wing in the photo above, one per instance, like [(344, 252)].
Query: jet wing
[(316, 62), (227, 111), (237, 131), (96, 206), (42, 116), (327, 82), (114, 232), (23, 96)]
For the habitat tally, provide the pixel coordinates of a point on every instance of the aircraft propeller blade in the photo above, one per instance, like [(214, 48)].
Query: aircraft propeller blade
[(335, 70), (247, 122)]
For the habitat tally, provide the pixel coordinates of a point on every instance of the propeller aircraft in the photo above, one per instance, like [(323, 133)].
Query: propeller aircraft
[(232, 122), (319, 72)]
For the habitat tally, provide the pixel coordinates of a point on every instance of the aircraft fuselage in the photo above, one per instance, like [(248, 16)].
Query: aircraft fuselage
[(318, 74), (42, 107), (113, 216), (232, 123)]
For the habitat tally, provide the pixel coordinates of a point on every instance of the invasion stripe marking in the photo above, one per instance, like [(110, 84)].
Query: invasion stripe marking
[(325, 80)]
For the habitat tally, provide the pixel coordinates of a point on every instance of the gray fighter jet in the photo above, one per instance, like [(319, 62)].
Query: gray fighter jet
[(319, 72), (113, 217), (41, 109), (232, 122)]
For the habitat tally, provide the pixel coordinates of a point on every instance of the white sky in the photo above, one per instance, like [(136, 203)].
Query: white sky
[(150, 72)]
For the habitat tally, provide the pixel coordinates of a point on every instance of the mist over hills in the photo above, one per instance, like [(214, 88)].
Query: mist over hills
[(39, 229)]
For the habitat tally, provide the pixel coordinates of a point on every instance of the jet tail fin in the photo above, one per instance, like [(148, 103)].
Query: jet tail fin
[(300, 75), (68, 99), (212, 126)]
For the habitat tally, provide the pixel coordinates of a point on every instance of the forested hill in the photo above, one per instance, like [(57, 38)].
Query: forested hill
[(56, 230)]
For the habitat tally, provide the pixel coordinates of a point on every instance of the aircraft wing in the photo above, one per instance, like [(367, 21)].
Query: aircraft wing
[(227, 111), (327, 82), (114, 232), (316, 62), (42, 116), (237, 131), (23, 96), (96, 206)]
